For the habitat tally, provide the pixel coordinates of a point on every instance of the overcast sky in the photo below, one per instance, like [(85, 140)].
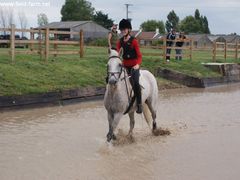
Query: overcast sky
[(223, 15)]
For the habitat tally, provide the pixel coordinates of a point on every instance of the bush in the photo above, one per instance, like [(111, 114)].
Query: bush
[(157, 43), (98, 42)]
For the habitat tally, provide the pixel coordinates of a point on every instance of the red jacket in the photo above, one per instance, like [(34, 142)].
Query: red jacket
[(131, 62)]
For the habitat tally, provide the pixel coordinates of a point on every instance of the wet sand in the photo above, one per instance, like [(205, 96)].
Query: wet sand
[(68, 142)]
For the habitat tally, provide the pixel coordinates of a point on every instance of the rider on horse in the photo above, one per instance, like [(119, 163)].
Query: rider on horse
[(132, 58)]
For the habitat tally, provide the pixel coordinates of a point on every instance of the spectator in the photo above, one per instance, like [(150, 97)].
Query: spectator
[(170, 38), (113, 37), (179, 44)]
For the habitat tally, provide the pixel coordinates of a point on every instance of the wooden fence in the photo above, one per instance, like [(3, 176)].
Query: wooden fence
[(41, 45), (225, 50)]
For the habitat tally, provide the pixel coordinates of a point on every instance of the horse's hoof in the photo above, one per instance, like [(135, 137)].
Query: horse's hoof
[(130, 138), (154, 125), (109, 137), (114, 137)]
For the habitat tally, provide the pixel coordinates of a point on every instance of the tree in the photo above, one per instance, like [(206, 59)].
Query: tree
[(102, 19), (190, 25), (152, 25), (42, 19), (10, 17), (195, 24), (3, 19), (172, 21), (6, 18), (203, 22), (199, 20), (206, 29), (23, 21), (197, 15), (77, 10)]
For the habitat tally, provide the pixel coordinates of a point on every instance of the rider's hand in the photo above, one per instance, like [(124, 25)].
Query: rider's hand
[(136, 66)]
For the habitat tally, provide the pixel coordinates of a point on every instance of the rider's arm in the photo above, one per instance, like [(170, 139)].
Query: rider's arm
[(137, 49), (118, 46), (109, 40)]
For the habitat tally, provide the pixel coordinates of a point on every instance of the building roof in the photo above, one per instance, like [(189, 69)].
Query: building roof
[(213, 37), (231, 38), (134, 33), (146, 35), (196, 37), (65, 24)]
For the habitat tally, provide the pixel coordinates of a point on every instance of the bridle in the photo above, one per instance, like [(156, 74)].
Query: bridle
[(114, 74), (122, 70)]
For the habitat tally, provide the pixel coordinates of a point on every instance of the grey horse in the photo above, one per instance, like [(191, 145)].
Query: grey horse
[(116, 99)]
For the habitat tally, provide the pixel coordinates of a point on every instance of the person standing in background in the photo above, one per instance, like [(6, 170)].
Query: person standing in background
[(113, 37), (170, 38), (179, 44)]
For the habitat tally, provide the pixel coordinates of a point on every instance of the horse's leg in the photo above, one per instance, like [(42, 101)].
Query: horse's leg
[(116, 119), (110, 122), (132, 123), (153, 112)]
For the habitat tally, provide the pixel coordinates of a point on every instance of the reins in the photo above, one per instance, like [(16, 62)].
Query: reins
[(125, 81)]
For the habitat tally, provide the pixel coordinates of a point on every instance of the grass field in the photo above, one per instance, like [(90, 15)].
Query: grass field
[(30, 75)]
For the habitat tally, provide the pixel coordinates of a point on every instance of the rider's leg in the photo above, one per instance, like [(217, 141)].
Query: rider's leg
[(137, 89)]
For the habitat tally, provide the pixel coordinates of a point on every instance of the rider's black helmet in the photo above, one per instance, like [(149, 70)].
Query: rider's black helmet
[(125, 24)]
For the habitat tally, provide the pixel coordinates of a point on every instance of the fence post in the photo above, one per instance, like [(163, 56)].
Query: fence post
[(55, 45), (46, 44), (12, 42), (81, 43), (225, 51), (236, 52), (31, 39), (214, 51), (191, 48), (40, 43), (164, 48)]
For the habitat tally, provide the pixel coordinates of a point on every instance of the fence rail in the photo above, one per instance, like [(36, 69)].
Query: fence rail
[(188, 47), (225, 50), (41, 45)]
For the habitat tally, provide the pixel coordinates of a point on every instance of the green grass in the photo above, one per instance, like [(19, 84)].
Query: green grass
[(31, 75)]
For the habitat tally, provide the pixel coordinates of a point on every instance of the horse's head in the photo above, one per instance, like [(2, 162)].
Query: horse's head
[(114, 67)]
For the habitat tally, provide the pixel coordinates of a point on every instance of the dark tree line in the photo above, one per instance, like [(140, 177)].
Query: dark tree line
[(190, 24), (82, 10), (195, 24)]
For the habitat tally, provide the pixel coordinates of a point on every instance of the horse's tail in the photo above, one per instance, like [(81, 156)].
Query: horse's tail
[(147, 114)]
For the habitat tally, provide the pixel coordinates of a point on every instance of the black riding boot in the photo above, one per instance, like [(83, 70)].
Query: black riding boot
[(139, 101), (137, 89)]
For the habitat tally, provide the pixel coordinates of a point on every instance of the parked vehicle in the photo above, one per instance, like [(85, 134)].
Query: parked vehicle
[(7, 45)]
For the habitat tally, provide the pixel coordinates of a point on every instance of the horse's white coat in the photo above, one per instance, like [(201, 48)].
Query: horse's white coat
[(116, 96)]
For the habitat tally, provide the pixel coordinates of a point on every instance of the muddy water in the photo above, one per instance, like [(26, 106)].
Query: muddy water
[(68, 142)]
